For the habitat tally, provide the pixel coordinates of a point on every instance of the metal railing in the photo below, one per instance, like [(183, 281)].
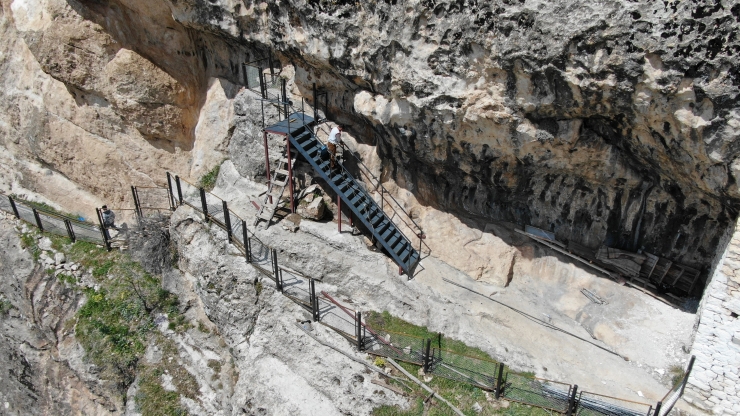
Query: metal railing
[(398, 213), (55, 223)]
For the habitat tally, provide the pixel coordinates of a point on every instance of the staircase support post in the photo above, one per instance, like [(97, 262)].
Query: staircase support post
[(358, 330), (339, 213), (267, 166), (657, 409), (290, 173), (247, 246), (315, 105)]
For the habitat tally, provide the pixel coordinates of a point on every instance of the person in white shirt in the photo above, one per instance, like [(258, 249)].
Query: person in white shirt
[(335, 138)]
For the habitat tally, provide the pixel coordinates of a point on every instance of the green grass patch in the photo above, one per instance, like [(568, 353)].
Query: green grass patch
[(462, 395), (208, 181), (5, 307), (386, 322), (152, 398)]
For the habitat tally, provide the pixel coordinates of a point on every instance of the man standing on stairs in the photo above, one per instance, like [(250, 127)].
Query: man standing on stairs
[(335, 138)]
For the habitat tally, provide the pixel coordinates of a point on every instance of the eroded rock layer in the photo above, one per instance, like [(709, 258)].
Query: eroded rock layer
[(610, 122)]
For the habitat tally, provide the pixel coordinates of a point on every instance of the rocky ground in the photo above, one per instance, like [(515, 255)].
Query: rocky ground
[(246, 353)]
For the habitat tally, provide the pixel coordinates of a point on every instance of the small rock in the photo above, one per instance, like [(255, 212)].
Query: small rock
[(660, 371), (477, 407), (639, 393), (67, 266), (74, 266), (60, 258), (45, 243)]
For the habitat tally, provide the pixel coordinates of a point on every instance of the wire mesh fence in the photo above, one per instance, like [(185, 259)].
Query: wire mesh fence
[(542, 393), (592, 404), (400, 347), (152, 199), (52, 222), (463, 368)]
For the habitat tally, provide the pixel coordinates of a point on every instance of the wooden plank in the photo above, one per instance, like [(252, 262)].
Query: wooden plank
[(654, 259), (665, 272), (678, 276), (389, 387)]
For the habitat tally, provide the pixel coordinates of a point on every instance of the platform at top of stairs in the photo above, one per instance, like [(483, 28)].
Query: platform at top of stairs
[(294, 122)]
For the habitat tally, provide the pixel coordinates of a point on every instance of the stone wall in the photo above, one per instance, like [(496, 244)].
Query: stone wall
[(714, 383)]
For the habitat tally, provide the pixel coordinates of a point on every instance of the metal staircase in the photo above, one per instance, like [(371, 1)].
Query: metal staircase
[(263, 78), (362, 205)]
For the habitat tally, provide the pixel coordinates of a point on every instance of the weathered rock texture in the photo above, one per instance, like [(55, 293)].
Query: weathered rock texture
[(715, 380), (607, 123), (612, 123)]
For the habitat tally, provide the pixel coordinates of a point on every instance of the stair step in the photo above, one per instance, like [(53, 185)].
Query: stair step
[(385, 235), (356, 199), (405, 254), (280, 182), (394, 239), (302, 137), (281, 172)]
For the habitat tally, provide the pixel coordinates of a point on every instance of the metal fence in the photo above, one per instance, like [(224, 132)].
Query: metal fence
[(52, 222), (481, 372)]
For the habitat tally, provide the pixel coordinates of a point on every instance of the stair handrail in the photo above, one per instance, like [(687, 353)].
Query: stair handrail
[(376, 183), (365, 170)]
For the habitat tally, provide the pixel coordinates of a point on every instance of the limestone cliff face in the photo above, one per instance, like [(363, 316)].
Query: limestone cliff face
[(612, 122)]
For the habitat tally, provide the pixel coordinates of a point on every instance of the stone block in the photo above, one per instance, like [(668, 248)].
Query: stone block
[(716, 385), (699, 386), (714, 399), (719, 394), (730, 369), (718, 370)]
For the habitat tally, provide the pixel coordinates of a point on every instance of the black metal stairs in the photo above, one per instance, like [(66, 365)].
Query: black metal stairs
[(362, 205)]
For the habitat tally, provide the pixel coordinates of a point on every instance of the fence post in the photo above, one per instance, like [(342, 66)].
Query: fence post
[(12, 205), (38, 219), (203, 203), (70, 231), (247, 245), (137, 204), (572, 404), (103, 230), (315, 105), (170, 195), (358, 329), (179, 189), (276, 271), (686, 377), (314, 300), (427, 358), (657, 409), (227, 221), (500, 380)]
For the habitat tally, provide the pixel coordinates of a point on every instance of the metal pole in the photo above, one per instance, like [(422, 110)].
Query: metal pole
[(269, 60), (339, 213), (657, 409), (15, 209), (179, 189), (315, 105), (227, 222), (38, 219), (285, 101), (358, 332), (246, 77), (326, 104), (426, 355), (247, 248), (688, 371), (103, 230), (171, 196), (203, 204), (276, 271), (290, 172), (572, 404), (267, 166), (137, 206), (500, 380), (70, 231)]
